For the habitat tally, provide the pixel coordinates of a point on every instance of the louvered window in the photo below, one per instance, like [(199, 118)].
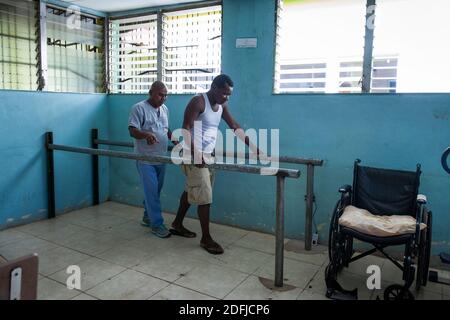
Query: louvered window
[(132, 54), (192, 46), (189, 51), (362, 46), (18, 25), (75, 52)]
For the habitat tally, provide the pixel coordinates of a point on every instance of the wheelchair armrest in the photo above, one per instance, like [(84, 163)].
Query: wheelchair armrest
[(421, 199), (345, 188)]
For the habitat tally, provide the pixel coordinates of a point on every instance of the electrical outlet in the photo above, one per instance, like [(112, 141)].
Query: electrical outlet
[(315, 239)]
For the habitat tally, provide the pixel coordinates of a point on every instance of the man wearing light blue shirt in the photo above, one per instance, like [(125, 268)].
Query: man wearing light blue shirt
[(149, 126)]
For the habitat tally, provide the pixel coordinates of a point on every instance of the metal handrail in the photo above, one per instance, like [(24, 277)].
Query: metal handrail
[(310, 163), (280, 173), (289, 173), (282, 159)]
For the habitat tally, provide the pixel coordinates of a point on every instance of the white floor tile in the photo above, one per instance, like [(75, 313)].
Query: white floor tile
[(167, 266), (93, 272), (212, 280), (296, 273), (102, 222), (258, 241), (234, 257), (25, 246), (295, 249), (130, 230), (51, 290), (83, 296), (59, 258), (174, 292), (93, 242), (120, 259), (128, 285), (309, 295), (253, 289), (124, 255), (11, 235)]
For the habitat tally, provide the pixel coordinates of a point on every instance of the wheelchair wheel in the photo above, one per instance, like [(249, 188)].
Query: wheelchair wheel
[(348, 249), (332, 234), (335, 252), (397, 292), (423, 263), (340, 247)]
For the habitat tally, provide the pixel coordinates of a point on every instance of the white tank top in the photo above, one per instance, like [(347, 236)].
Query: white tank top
[(206, 126)]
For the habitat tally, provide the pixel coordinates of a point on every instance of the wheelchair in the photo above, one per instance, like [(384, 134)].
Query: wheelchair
[(382, 208)]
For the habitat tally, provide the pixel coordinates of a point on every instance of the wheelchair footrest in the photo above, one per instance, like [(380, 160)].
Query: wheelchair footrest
[(342, 295), (336, 292)]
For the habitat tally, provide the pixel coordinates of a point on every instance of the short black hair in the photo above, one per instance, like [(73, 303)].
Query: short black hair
[(157, 85), (221, 80)]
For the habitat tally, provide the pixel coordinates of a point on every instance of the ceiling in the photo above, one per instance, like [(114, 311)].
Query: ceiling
[(124, 5)]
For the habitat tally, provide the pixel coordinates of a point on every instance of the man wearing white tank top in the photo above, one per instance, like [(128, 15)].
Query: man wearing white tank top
[(205, 111)]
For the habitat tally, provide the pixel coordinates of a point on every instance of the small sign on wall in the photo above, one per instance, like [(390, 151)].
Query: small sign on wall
[(246, 43)]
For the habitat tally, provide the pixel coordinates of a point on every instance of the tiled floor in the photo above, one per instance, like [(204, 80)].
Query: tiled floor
[(119, 259)]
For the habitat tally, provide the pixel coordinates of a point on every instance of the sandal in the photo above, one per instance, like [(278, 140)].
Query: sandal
[(183, 233), (213, 248)]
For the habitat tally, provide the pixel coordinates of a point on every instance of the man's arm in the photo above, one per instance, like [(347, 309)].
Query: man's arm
[(169, 135), (139, 134), (238, 131)]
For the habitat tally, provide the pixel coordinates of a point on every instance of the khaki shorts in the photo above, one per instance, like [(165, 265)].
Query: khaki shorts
[(199, 182)]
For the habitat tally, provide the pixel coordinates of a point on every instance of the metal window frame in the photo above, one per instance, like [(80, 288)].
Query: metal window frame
[(106, 77), (159, 45), (42, 56), (175, 8), (32, 7), (276, 65), (160, 30), (368, 48)]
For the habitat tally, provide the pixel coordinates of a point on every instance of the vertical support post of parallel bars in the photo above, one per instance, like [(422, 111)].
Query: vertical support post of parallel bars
[(309, 206), (50, 176), (95, 169), (279, 233)]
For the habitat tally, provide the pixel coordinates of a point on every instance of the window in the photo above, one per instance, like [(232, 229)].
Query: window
[(132, 54), (72, 59), (383, 74), (192, 49), (416, 33), (18, 23), (318, 43), (75, 52), (186, 57), (302, 76), (322, 44)]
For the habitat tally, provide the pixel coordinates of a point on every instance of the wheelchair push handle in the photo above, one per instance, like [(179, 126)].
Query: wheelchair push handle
[(345, 188), (421, 199), (444, 160)]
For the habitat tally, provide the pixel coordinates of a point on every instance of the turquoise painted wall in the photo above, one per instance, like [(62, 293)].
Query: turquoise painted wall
[(25, 117), (394, 131)]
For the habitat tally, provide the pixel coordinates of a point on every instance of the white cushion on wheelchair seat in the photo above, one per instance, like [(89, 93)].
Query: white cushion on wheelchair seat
[(380, 226)]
